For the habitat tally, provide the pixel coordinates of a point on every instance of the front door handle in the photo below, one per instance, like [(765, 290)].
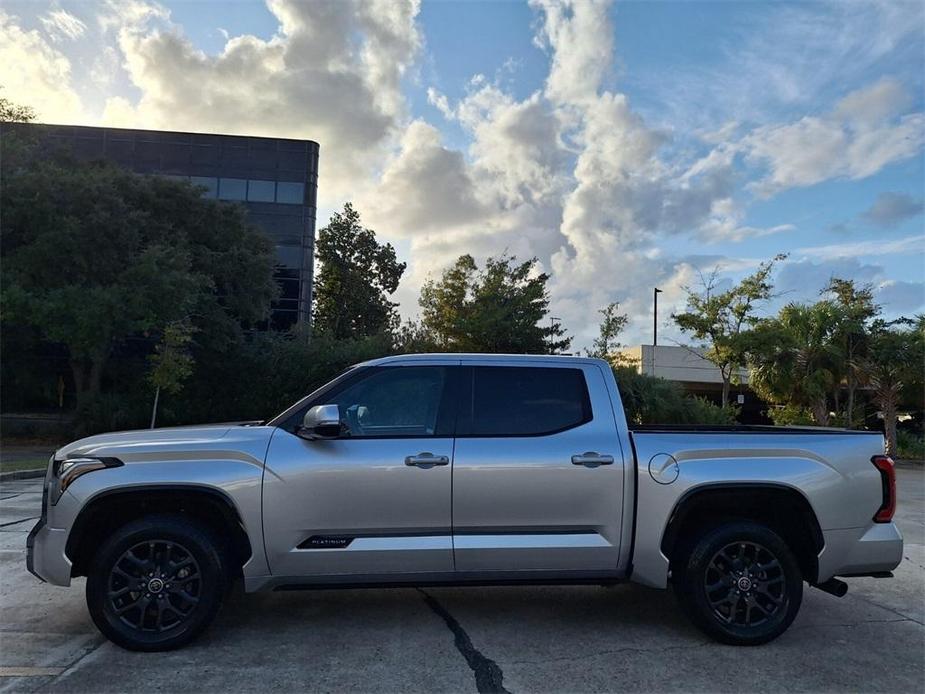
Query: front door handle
[(591, 459), (426, 460)]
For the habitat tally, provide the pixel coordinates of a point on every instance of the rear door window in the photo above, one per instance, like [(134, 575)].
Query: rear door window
[(524, 401)]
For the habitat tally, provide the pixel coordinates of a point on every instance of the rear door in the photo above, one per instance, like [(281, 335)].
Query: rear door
[(537, 471)]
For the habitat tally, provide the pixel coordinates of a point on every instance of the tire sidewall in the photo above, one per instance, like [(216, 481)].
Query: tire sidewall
[(193, 537), (693, 593)]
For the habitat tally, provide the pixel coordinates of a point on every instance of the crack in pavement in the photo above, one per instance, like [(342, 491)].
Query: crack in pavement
[(488, 676), (100, 642)]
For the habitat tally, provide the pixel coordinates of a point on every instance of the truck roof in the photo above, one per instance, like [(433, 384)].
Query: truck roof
[(474, 357)]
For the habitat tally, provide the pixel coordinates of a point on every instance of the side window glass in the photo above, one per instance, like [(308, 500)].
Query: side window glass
[(527, 401), (399, 401)]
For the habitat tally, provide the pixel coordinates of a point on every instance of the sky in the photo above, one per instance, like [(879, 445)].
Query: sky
[(625, 145)]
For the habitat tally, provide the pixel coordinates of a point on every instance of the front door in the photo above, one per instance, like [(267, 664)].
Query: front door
[(376, 500), (538, 471)]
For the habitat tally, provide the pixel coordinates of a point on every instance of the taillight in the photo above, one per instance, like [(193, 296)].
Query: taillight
[(888, 478)]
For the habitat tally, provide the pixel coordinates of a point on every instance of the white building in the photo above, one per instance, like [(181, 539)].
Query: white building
[(676, 363)]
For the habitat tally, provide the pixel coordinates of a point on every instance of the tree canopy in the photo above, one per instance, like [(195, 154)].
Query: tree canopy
[(498, 308), (607, 342), (94, 255), (722, 318), (799, 360), (357, 276)]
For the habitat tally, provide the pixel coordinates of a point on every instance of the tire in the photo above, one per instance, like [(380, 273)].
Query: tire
[(740, 584), (156, 583)]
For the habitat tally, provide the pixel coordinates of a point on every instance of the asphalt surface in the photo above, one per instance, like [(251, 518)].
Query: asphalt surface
[(523, 639)]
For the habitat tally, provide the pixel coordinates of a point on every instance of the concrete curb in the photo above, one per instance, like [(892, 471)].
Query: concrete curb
[(21, 475)]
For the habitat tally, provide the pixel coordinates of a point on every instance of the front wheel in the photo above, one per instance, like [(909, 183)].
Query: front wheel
[(741, 584), (156, 583)]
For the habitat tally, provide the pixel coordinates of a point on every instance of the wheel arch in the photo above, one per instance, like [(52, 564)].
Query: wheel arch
[(112, 508), (783, 508)]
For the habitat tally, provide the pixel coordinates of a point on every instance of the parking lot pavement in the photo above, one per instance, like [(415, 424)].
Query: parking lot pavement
[(523, 639)]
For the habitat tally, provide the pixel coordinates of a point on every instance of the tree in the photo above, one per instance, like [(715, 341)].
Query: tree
[(723, 319), (857, 309), (796, 358), (171, 363), (15, 113), (895, 359), (607, 342), (497, 309), (357, 275), (94, 255)]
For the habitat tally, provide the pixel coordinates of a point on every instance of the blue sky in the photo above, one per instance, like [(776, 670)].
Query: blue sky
[(623, 144)]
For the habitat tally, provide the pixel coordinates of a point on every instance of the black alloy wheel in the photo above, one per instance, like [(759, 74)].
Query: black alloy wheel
[(740, 583), (745, 584), (157, 582), (155, 585)]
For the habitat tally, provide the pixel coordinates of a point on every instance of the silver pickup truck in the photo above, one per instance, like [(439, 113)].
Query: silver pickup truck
[(456, 469)]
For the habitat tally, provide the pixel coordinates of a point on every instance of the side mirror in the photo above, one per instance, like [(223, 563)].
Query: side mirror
[(321, 422)]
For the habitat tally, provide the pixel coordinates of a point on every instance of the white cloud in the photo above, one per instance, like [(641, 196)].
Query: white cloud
[(579, 36), (864, 133), (35, 73), (332, 73), (905, 246), (62, 25), (426, 187)]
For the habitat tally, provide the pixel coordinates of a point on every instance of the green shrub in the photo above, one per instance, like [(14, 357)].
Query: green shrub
[(909, 446), (112, 412), (651, 400), (791, 415)]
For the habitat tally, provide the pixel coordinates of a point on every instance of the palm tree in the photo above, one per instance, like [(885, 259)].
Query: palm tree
[(796, 359), (895, 359)]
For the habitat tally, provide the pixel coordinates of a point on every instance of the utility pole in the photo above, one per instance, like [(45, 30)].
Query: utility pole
[(655, 292)]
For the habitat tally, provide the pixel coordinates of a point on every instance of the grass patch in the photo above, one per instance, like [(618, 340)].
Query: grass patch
[(35, 463)]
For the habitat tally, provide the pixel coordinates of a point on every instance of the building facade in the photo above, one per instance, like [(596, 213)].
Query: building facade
[(697, 376), (276, 179)]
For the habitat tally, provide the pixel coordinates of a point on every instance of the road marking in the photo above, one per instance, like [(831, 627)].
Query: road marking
[(30, 671)]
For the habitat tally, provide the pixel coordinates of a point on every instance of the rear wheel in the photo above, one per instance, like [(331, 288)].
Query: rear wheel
[(741, 584), (156, 583)]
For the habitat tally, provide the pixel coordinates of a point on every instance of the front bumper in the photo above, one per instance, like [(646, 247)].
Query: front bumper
[(46, 558)]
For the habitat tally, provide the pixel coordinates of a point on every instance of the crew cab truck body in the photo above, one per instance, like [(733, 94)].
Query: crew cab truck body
[(431, 469)]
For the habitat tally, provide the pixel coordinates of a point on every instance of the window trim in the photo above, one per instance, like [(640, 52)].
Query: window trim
[(464, 421)]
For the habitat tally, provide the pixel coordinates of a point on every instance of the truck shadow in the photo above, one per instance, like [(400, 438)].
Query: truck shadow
[(582, 613)]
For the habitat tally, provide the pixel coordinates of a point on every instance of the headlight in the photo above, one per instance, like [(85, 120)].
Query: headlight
[(67, 470)]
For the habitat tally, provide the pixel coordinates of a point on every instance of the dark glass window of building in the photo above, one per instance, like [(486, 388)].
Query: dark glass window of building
[(291, 193), (232, 188), (210, 183), (260, 191)]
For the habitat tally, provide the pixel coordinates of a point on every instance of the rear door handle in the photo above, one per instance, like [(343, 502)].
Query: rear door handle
[(426, 460), (591, 459)]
